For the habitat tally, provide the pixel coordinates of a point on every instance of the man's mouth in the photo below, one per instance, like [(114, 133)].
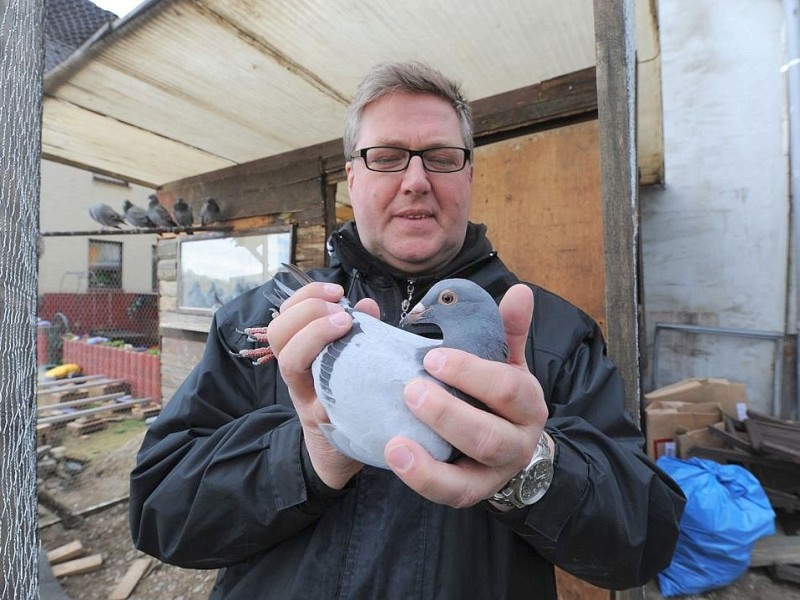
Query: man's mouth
[(415, 216)]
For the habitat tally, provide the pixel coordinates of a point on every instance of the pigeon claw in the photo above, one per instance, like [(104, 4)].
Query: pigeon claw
[(258, 356), (256, 334)]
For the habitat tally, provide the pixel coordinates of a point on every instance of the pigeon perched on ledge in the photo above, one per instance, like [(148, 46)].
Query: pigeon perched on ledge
[(136, 215), (360, 377), (183, 214), (210, 213), (158, 214), (105, 215)]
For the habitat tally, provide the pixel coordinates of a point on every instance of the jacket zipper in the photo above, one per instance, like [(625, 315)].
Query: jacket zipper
[(405, 305)]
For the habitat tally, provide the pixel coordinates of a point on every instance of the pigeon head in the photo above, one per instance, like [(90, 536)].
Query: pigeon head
[(467, 316)]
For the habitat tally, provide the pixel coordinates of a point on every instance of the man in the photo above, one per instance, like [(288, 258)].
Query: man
[(236, 474)]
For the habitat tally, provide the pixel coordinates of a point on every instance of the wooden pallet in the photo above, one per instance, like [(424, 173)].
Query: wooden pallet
[(84, 426), (144, 412)]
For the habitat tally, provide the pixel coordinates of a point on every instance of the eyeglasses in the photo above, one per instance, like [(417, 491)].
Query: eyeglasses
[(387, 159)]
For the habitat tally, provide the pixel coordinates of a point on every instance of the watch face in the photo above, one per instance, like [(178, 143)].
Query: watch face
[(536, 483)]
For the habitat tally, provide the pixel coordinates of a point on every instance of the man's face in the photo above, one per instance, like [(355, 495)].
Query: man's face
[(413, 220)]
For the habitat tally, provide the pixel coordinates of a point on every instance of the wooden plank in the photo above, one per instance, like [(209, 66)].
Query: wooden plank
[(49, 383), (80, 402), (78, 566), (80, 386), (779, 450), (778, 549), (93, 411), (126, 585), (787, 572), (730, 439), (66, 552)]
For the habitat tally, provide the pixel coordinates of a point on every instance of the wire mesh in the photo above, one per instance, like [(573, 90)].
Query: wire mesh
[(20, 129)]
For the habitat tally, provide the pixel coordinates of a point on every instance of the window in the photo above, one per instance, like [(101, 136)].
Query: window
[(105, 265), (212, 269)]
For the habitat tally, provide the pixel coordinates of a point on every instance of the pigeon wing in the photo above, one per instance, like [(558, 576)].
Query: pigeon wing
[(360, 378)]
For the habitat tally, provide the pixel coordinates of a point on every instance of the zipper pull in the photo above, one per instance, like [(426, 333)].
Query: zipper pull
[(405, 305)]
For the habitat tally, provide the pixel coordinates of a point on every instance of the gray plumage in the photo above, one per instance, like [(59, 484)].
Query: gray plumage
[(158, 214), (210, 212), (105, 215), (136, 215), (360, 377), (183, 213)]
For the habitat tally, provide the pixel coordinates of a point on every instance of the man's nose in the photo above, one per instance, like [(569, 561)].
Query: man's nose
[(415, 178)]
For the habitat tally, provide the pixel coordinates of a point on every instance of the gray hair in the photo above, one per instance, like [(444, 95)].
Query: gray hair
[(411, 78)]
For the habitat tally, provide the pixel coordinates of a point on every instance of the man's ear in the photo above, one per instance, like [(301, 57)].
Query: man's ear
[(348, 168)]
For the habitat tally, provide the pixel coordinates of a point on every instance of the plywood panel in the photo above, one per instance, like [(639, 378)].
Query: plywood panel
[(540, 197)]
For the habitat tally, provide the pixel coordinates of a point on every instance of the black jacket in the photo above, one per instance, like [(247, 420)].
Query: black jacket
[(222, 479)]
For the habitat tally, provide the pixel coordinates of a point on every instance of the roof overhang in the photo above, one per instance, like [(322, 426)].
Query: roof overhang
[(179, 88)]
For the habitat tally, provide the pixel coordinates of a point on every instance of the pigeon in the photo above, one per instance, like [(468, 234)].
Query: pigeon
[(105, 215), (136, 215), (360, 378), (183, 214), (210, 212), (158, 214)]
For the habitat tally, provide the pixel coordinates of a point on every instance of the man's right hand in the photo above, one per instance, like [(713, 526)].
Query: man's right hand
[(308, 320)]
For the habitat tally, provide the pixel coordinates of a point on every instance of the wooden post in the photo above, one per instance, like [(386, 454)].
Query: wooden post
[(614, 23)]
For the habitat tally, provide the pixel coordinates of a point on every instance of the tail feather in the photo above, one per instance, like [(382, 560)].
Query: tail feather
[(300, 276)]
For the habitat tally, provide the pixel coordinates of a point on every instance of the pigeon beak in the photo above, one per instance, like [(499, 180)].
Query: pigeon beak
[(418, 314)]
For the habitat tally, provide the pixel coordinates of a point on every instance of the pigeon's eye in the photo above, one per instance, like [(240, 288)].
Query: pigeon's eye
[(448, 297)]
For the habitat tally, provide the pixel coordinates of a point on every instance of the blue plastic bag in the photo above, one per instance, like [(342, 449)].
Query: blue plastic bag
[(726, 511)]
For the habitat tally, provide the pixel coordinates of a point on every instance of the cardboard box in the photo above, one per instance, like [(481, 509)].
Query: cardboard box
[(665, 421), (698, 437), (731, 397), (687, 406)]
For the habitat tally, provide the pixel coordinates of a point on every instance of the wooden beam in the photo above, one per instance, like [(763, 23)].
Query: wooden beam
[(615, 39), (540, 106)]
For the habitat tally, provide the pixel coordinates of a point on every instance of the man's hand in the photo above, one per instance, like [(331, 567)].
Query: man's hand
[(497, 443), (308, 320)]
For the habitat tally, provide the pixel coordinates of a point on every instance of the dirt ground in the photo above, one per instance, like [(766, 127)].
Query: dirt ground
[(104, 481)]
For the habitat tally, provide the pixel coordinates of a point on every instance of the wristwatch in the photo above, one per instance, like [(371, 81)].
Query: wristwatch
[(529, 485)]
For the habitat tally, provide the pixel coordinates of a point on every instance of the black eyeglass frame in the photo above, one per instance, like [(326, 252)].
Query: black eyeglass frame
[(411, 154)]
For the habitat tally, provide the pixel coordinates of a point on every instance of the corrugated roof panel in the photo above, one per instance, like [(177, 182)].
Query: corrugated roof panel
[(188, 76), (492, 47), (219, 82), (104, 144)]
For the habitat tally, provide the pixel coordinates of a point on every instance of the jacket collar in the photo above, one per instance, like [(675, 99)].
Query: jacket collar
[(347, 251)]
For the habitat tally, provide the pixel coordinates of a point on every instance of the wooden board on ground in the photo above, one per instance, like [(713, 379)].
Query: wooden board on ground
[(134, 573), (78, 566), (778, 549), (66, 552)]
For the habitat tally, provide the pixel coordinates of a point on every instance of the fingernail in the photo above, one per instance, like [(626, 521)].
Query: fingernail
[(340, 319), (434, 361), (400, 457), (333, 289), (415, 394)]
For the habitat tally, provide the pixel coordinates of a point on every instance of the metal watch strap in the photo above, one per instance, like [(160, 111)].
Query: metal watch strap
[(508, 495)]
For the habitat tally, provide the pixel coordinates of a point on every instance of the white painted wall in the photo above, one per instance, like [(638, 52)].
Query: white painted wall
[(715, 238), (66, 195)]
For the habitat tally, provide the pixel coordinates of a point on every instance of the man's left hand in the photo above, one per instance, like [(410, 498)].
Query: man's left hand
[(497, 443)]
